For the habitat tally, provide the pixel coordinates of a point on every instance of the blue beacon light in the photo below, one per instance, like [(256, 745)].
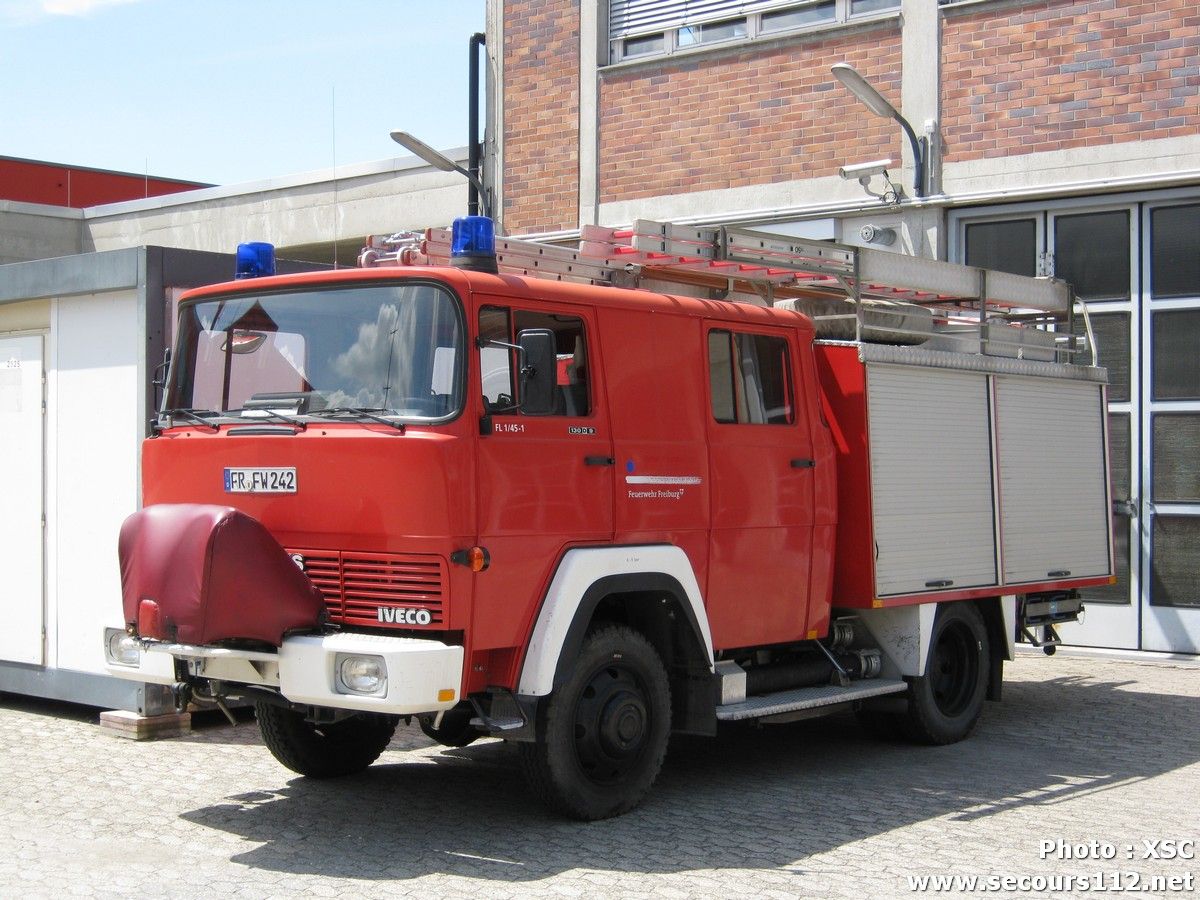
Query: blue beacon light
[(473, 244), (255, 260)]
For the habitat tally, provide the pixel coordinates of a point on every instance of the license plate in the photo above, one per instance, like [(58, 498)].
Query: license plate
[(260, 481)]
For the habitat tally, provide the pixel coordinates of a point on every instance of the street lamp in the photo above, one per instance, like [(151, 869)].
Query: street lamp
[(439, 160), (875, 102)]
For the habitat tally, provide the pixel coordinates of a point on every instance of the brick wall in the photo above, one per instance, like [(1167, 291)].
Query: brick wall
[(541, 115), (763, 115), (1057, 74)]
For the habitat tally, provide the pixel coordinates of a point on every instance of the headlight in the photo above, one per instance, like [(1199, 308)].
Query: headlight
[(361, 674), (121, 649)]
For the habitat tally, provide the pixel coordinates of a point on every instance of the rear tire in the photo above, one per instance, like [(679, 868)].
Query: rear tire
[(945, 703), (324, 750), (604, 733)]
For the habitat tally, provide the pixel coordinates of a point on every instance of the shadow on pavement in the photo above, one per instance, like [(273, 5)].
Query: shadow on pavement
[(749, 798)]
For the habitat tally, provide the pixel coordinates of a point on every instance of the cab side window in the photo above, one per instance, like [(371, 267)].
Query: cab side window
[(499, 365), (495, 362), (749, 378)]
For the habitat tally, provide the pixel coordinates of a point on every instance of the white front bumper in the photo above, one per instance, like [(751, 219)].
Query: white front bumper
[(422, 675)]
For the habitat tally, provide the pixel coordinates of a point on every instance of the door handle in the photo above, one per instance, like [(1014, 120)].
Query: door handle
[(803, 463), (599, 461)]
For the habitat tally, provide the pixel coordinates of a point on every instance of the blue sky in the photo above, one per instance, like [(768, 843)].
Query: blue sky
[(223, 91)]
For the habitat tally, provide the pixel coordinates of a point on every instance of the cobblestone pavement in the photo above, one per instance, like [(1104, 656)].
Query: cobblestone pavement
[(1080, 750)]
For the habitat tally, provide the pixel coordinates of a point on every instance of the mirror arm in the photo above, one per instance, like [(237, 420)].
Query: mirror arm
[(480, 343)]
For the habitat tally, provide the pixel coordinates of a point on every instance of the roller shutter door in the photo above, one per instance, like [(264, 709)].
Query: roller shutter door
[(1053, 490), (931, 479)]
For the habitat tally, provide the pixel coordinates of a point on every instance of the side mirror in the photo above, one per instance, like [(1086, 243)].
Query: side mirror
[(539, 368)]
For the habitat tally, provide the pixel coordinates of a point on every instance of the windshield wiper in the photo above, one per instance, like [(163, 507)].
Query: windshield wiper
[(196, 416), (344, 412), (261, 413)]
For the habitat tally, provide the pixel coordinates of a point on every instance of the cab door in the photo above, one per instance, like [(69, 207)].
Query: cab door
[(762, 469), (544, 482)]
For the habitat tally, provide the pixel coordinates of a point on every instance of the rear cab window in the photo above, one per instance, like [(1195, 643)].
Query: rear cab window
[(750, 378)]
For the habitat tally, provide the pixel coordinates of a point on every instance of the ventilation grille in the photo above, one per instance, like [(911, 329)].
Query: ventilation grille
[(368, 588)]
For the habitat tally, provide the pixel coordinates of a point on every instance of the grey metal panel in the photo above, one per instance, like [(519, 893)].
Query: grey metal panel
[(917, 273), (809, 698), (1020, 290), (951, 279), (86, 688), (971, 362), (87, 273), (1053, 480), (931, 479)]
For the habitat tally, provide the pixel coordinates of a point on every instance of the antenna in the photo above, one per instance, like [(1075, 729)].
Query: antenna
[(333, 154)]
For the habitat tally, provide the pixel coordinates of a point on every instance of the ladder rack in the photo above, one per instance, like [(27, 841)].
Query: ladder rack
[(725, 262)]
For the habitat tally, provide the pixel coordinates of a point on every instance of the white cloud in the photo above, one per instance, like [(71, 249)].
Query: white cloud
[(24, 12), (79, 7)]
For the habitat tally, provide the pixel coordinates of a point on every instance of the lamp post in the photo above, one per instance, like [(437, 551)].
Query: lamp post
[(875, 102), (438, 160)]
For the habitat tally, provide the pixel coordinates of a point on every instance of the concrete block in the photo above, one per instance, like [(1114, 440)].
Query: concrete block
[(122, 723)]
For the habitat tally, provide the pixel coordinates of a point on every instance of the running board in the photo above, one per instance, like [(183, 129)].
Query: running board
[(808, 698)]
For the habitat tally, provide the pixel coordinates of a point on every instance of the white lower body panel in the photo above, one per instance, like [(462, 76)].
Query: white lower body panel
[(423, 676)]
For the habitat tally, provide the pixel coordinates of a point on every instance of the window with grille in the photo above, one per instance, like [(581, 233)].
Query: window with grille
[(644, 28)]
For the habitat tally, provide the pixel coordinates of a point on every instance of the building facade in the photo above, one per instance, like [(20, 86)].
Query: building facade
[(1059, 137)]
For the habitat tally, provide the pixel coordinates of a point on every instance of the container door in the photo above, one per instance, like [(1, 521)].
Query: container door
[(22, 415)]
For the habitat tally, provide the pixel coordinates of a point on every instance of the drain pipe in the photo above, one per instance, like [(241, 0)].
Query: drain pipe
[(473, 145)]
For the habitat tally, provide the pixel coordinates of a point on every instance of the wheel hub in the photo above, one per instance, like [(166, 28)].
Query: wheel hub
[(954, 669), (622, 723), (612, 723)]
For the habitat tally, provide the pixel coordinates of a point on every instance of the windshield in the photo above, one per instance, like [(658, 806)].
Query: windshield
[(394, 349)]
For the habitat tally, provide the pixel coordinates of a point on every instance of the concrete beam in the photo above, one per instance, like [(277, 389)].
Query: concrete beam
[(80, 274), (35, 231), (592, 44), (920, 85), (320, 208), (1168, 160)]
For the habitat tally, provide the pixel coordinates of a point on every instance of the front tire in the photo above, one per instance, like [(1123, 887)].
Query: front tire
[(323, 750), (604, 734), (945, 703)]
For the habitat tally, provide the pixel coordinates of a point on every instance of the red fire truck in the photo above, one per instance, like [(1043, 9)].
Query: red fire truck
[(582, 499)]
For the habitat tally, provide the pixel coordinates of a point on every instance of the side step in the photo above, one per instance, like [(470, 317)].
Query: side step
[(808, 698)]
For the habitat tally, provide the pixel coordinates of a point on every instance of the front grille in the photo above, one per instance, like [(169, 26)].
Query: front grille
[(357, 585)]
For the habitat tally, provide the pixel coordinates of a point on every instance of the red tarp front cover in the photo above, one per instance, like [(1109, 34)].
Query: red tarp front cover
[(210, 574)]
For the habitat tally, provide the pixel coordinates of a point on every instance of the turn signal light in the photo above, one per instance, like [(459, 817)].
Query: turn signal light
[(474, 558)]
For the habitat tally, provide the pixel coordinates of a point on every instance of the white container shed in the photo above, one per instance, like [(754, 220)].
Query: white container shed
[(80, 338)]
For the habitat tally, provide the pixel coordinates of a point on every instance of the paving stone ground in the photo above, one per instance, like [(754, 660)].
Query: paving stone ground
[(1080, 750)]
